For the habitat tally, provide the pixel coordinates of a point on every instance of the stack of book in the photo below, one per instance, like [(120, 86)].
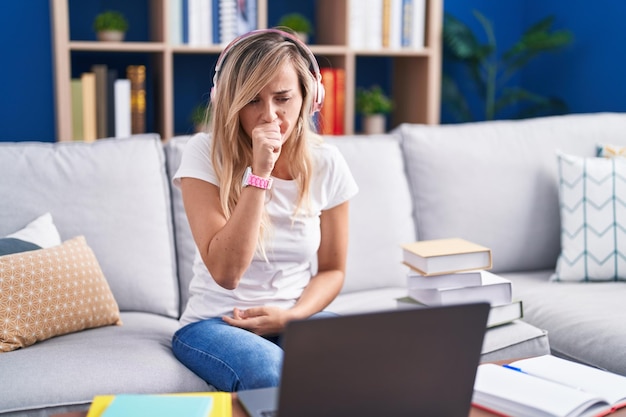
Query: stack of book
[(210, 22), (392, 24), (454, 271), (104, 105)]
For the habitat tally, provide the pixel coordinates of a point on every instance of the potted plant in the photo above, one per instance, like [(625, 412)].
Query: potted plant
[(110, 26), (489, 72), (374, 105), (200, 117), (299, 24)]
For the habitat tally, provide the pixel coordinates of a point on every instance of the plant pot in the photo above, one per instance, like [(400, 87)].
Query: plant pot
[(111, 36), (374, 124)]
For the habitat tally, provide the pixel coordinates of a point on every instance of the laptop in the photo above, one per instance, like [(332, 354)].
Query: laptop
[(417, 362)]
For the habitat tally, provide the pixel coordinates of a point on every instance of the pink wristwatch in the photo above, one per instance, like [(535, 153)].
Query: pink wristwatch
[(250, 179)]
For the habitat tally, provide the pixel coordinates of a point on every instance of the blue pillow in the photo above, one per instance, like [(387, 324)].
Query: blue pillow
[(10, 245)]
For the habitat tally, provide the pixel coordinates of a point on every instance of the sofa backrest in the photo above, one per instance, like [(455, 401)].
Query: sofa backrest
[(185, 246), (115, 192), (380, 214), (495, 183)]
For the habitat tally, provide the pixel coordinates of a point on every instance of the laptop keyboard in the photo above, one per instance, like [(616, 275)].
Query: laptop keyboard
[(269, 413)]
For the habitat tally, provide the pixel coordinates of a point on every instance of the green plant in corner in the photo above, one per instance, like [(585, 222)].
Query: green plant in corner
[(297, 22), (372, 101), (490, 73)]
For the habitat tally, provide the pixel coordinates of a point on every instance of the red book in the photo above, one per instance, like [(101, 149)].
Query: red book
[(327, 114), (340, 100)]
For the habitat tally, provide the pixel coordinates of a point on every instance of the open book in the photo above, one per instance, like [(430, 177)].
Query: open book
[(548, 386)]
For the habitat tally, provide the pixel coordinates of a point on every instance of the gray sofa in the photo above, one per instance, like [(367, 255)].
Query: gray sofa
[(493, 183)]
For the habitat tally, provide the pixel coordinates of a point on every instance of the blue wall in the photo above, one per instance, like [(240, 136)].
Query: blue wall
[(587, 75)]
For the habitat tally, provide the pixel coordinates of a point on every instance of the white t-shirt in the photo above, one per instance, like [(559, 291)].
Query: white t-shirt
[(291, 244)]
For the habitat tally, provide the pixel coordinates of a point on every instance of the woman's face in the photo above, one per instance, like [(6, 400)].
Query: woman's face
[(279, 101)]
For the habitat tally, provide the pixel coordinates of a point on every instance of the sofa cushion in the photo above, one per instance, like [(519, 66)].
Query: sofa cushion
[(495, 183), (66, 372), (380, 214), (9, 245), (51, 292), (41, 232), (114, 192), (584, 321), (592, 194), (610, 151)]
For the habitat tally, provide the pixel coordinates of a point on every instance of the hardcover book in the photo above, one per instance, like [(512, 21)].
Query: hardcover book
[(441, 256), (454, 279), (494, 289), (498, 315)]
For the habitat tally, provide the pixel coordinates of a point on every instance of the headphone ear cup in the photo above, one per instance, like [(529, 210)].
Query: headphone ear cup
[(318, 100)]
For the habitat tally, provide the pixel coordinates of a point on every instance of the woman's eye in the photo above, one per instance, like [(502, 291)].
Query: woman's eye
[(283, 99)]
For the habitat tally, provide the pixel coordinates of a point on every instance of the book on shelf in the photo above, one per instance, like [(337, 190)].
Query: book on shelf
[(331, 117), (388, 24), (454, 279), (100, 72), (340, 101), (122, 108), (88, 83), (441, 256), (137, 76), (221, 403), (498, 315), (548, 386), (77, 108), (493, 289), (110, 120), (327, 112), (125, 405)]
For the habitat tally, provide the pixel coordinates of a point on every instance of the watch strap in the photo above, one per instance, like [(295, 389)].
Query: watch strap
[(249, 179)]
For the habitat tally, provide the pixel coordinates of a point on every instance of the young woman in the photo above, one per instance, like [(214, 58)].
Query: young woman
[(267, 202)]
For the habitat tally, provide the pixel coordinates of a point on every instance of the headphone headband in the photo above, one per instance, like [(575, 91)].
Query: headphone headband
[(318, 87)]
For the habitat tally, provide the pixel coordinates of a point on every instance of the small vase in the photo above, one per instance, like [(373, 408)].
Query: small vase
[(111, 36), (374, 124)]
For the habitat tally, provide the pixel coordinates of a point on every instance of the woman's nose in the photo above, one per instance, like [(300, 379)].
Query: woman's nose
[(270, 112)]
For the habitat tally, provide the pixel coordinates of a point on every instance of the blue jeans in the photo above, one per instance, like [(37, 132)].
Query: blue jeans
[(230, 358)]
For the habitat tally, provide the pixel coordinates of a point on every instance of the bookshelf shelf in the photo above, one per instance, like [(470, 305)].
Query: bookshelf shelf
[(415, 78)]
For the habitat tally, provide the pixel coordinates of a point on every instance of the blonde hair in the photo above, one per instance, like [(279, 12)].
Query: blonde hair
[(249, 66)]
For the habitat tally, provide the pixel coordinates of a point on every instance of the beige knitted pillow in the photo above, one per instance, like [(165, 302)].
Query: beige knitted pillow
[(51, 292)]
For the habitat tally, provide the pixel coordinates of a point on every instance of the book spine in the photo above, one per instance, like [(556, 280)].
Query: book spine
[(327, 113), (111, 77), (137, 76), (340, 101), (386, 23), (77, 109), (418, 24), (228, 24), (407, 23), (122, 108), (175, 22), (89, 106), (395, 17), (100, 71)]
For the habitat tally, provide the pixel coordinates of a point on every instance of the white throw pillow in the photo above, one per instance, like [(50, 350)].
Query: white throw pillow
[(40, 231), (592, 196)]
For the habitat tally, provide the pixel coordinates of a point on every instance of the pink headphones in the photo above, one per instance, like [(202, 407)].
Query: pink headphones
[(318, 87)]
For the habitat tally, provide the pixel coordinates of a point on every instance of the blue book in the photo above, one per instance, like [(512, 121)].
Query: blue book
[(185, 22), (138, 405)]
